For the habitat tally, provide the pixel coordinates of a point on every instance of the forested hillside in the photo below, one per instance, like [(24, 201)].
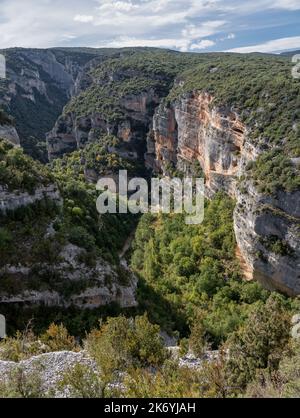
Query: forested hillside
[(146, 305)]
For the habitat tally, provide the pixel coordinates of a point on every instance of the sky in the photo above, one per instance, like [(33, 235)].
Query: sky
[(184, 25)]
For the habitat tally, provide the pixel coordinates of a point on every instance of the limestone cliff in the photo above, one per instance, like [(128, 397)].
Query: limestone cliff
[(191, 129), (81, 285), (9, 133), (73, 132), (38, 84), (116, 96), (12, 200)]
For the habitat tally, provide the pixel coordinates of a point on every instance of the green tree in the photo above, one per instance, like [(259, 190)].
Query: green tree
[(259, 343)]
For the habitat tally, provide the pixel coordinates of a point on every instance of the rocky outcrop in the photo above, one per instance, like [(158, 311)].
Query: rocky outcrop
[(73, 132), (192, 129), (9, 133), (84, 286), (268, 235), (10, 201), (48, 368)]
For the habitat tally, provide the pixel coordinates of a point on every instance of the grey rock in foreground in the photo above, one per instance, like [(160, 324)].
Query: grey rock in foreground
[(50, 368)]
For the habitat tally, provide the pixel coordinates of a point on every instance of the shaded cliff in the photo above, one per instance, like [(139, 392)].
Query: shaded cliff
[(7, 129), (117, 97), (38, 84), (55, 250)]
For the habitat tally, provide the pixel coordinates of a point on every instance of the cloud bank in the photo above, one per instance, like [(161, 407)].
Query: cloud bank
[(186, 25)]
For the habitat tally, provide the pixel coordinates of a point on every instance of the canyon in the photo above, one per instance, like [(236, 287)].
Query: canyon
[(191, 129), (165, 133)]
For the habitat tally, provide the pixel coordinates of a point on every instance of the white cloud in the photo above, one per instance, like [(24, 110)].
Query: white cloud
[(83, 18), (204, 29), (125, 41), (227, 37), (121, 6), (271, 46), (286, 4), (206, 43), (176, 24)]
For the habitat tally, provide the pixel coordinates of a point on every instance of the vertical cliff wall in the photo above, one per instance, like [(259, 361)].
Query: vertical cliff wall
[(267, 229), (73, 132)]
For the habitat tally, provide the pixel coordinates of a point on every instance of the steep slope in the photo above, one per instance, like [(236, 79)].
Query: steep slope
[(55, 250), (7, 129), (38, 84), (239, 117), (118, 97)]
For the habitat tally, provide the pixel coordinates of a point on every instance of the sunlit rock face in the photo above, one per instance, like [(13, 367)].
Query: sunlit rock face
[(192, 129)]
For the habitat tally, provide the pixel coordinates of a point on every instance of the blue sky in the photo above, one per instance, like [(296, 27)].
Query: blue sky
[(185, 25)]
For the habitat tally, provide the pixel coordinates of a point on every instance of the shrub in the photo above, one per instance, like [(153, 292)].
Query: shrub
[(122, 343), (82, 382), (78, 235), (260, 342), (57, 338)]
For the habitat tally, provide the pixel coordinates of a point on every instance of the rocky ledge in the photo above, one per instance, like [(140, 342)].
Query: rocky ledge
[(49, 368), (9, 133), (10, 201), (85, 286)]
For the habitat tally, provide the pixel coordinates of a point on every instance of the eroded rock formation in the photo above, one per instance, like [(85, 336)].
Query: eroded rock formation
[(267, 227), (89, 287), (9, 133), (73, 132), (10, 201)]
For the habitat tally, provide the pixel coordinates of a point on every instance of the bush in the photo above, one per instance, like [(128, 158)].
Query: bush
[(21, 384), (122, 343), (259, 343), (82, 382), (5, 239), (79, 236), (57, 338)]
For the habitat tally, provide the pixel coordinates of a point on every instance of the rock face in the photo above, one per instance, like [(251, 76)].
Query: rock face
[(9, 133), (49, 368), (267, 228), (84, 286), (73, 132), (38, 84), (190, 130), (10, 201), (268, 234)]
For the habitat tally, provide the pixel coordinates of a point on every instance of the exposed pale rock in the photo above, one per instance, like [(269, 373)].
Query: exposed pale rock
[(102, 283), (14, 200), (9, 133), (49, 367), (73, 132), (192, 129)]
